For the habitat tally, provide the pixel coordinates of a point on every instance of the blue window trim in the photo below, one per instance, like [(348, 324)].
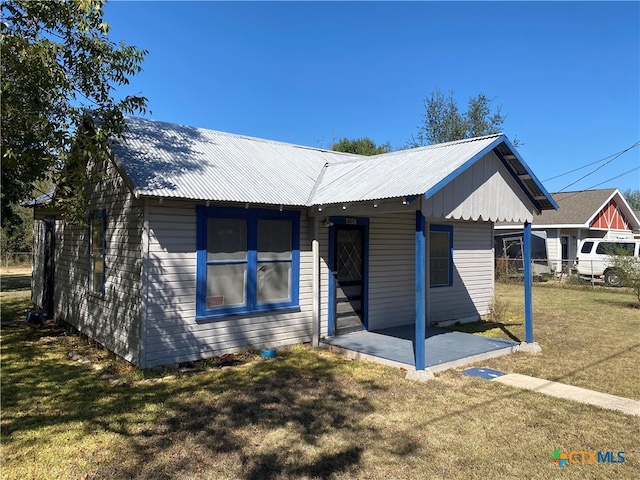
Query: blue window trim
[(448, 229), (92, 215), (251, 216), (361, 222)]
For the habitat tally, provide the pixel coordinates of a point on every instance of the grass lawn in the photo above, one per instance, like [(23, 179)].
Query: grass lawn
[(313, 414)]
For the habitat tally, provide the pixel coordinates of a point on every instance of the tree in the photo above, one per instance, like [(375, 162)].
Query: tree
[(59, 73), (361, 146), (443, 122), (633, 198)]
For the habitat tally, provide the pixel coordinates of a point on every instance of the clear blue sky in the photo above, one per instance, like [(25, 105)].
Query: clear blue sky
[(567, 74)]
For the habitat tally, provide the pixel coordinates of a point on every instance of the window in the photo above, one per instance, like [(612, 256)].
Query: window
[(248, 261), (613, 248), (97, 251), (440, 255), (586, 247)]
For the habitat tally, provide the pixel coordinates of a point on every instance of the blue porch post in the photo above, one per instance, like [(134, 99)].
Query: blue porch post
[(420, 291), (528, 279)]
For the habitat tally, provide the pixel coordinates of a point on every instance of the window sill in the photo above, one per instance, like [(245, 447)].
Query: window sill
[(212, 317)]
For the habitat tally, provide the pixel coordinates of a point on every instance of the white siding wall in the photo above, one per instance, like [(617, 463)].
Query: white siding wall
[(115, 320), (471, 294), (171, 333), (485, 191), (391, 270)]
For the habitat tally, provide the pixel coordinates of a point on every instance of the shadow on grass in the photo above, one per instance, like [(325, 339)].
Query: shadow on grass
[(14, 307), (481, 327), (223, 413), (13, 282)]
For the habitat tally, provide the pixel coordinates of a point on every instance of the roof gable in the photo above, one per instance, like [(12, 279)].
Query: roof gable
[(581, 209)]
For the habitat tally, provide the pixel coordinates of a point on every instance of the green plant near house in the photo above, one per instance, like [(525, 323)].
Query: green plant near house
[(627, 269)]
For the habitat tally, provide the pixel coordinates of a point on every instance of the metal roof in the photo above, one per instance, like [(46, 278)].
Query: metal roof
[(395, 174), (421, 171), (168, 160)]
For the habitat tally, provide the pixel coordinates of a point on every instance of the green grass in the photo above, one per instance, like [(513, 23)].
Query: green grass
[(313, 414)]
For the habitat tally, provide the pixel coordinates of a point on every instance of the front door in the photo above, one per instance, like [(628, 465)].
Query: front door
[(349, 278)]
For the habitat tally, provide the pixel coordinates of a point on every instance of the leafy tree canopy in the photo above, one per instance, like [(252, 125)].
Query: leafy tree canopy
[(633, 198), (444, 122), (361, 146), (59, 71)]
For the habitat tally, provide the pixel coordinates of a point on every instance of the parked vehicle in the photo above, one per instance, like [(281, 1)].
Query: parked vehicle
[(594, 259)]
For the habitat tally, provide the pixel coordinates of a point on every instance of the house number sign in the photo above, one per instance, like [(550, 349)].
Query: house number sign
[(351, 221)]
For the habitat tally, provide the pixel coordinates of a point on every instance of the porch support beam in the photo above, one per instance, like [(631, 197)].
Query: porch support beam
[(528, 280), (315, 253), (420, 282), (528, 345)]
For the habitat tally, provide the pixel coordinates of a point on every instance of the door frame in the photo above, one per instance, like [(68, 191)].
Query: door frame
[(48, 280), (362, 222)]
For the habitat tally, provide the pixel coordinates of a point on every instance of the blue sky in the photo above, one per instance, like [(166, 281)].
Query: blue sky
[(566, 73)]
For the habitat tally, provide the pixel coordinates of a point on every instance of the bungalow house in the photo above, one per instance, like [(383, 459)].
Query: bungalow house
[(201, 242), (583, 214)]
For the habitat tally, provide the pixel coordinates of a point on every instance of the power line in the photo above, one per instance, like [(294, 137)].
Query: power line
[(593, 163), (584, 166), (616, 155), (597, 185), (617, 176)]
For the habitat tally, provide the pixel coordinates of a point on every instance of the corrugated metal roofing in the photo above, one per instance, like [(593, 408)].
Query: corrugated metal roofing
[(169, 160), (396, 174)]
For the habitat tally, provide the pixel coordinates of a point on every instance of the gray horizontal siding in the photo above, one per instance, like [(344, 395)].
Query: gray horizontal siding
[(172, 334), (391, 270), (113, 321), (471, 294)]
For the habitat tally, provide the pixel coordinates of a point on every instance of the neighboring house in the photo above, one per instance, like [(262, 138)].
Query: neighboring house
[(584, 214), (200, 242)]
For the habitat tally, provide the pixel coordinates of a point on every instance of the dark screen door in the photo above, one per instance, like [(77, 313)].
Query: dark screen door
[(349, 276)]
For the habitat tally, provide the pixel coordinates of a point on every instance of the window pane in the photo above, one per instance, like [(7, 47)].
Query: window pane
[(226, 285), (226, 239), (274, 282), (612, 248), (439, 258), (586, 247), (274, 239)]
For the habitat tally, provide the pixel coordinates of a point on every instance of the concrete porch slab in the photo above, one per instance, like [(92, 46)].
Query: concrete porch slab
[(394, 347)]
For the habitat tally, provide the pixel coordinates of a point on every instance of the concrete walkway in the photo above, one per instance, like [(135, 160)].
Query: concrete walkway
[(560, 390)]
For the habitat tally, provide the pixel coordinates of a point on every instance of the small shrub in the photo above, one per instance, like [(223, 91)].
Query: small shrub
[(500, 310)]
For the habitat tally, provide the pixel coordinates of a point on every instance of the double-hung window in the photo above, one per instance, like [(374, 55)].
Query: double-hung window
[(441, 255), (248, 261), (97, 251)]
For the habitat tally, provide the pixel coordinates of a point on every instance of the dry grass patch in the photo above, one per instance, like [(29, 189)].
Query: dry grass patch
[(309, 414), (589, 337)]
